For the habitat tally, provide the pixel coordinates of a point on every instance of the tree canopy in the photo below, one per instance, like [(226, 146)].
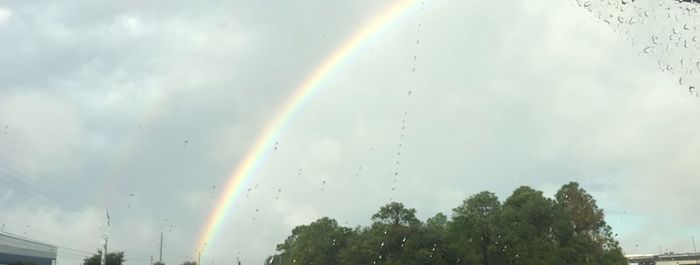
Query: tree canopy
[(114, 258), (527, 228)]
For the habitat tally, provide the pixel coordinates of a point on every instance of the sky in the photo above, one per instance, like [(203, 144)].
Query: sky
[(145, 108)]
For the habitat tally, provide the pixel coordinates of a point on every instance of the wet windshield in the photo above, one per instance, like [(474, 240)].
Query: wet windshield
[(349, 132)]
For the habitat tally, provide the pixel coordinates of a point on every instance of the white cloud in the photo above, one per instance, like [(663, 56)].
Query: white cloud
[(43, 135), (5, 15)]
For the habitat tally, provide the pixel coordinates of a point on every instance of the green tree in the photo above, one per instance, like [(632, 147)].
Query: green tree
[(316, 243), (395, 237), (158, 263), (437, 222), (472, 232), (435, 232), (526, 229), (114, 258), (585, 238), (395, 214), (189, 263)]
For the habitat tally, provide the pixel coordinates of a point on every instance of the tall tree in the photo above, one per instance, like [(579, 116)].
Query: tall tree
[(394, 237), (472, 232), (397, 237), (587, 239), (315, 244), (396, 214), (526, 227), (435, 232)]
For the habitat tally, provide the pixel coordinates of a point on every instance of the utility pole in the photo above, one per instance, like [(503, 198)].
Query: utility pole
[(151, 259), (694, 249), (105, 238), (160, 259), (199, 258)]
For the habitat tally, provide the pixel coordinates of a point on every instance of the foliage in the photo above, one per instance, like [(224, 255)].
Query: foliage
[(316, 243), (114, 258), (189, 263), (527, 228)]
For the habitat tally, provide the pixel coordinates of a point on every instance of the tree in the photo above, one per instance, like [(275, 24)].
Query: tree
[(472, 231), (437, 222), (316, 243), (189, 263), (114, 258), (396, 214), (585, 238), (158, 263), (397, 237), (435, 232), (526, 229)]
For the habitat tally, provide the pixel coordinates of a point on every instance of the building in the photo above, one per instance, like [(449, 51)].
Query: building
[(14, 249), (665, 259)]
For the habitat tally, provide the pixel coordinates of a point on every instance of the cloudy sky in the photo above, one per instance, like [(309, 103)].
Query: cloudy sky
[(144, 108)]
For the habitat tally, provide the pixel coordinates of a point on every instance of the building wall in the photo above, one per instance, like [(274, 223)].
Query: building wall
[(14, 249), (9, 259), (680, 262)]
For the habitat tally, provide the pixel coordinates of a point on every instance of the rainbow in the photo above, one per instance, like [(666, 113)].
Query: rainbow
[(302, 93)]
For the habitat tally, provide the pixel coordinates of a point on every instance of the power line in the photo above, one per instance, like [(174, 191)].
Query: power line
[(25, 178), (59, 247), (23, 186), (60, 238)]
